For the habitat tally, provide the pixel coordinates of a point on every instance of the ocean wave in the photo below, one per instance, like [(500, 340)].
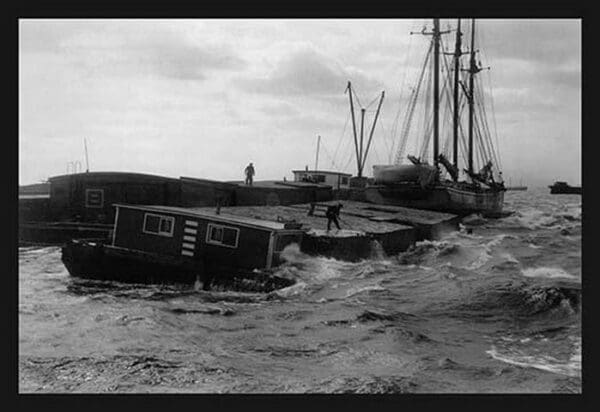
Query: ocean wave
[(299, 265), (570, 367), (361, 289), (547, 272), (514, 300), (460, 252)]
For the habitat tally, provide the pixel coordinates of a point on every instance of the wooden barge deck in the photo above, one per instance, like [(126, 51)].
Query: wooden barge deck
[(394, 228)]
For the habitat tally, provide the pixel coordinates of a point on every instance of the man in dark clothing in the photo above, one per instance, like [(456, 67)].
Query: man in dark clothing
[(249, 174), (333, 212)]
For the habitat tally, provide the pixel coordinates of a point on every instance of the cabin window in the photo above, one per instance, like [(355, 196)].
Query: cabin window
[(319, 178), (344, 180), (94, 198), (158, 225), (222, 235)]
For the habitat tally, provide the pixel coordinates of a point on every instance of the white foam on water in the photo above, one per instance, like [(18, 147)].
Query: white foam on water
[(292, 290), (481, 260), (313, 267), (547, 272), (536, 219), (366, 288), (509, 258), (548, 363)]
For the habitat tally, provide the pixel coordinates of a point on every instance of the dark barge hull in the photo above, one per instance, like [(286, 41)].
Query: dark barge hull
[(571, 190), (98, 261), (56, 233), (441, 198)]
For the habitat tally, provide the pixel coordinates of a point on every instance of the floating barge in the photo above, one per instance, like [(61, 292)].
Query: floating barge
[(166, 244), (162, 244), (81, 204), (394, 228)]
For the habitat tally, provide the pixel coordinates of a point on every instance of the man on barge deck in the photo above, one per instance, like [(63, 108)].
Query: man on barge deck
[(332, 214), (249, 174)]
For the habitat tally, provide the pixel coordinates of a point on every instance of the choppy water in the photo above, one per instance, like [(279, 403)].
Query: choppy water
[(497, 310)]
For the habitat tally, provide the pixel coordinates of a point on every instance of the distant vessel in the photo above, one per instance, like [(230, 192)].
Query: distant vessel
[(563, 188), (520, 186), (420, 184)]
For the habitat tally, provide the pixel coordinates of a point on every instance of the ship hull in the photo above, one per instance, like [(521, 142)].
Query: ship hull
[(442, 198)]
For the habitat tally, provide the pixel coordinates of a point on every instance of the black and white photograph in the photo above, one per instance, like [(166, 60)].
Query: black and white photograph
[(299, 205)]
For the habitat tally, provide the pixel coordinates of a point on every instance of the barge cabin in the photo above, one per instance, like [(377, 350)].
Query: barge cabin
[(167, 244)]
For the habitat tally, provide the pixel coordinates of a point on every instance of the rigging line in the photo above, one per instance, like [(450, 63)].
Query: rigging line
[(446, 91), (489, 134), (486, 138), (425, 74), (369, 105), (426, 117), (348, 162), (337, 148), (482, 40), (494, 118), (480, 140), (385, 142), (333, 164), (388, 148), (480, 114), (355, 94), (402, 85), (348, 150), (374, 148), (406, 125)]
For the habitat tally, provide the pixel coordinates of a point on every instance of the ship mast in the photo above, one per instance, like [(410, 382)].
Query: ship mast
[(437, 35), (436, 90), (457, 54), (317, 155), (473, 69)]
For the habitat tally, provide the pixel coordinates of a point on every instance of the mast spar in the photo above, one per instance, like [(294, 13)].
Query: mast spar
[(471, 96), (437, 36), (457, 54), (436, 90), (361, 152), (317, 155)]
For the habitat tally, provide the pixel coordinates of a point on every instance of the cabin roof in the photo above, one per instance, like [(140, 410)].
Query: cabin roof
[(113, 177), (210, 214)]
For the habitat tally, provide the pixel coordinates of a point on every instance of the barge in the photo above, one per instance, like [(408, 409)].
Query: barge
[(229, 245), (162, 244)]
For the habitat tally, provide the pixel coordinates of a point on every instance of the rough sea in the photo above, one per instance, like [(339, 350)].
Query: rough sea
[(497, 310)]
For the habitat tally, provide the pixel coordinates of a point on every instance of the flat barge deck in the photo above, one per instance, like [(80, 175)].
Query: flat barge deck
[(394, 228)]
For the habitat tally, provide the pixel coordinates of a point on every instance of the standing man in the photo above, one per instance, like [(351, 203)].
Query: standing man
[(333, 212), (249, 174)]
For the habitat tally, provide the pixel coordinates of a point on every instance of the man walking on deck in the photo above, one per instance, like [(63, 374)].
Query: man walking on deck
[(249, 174), (333, 212)]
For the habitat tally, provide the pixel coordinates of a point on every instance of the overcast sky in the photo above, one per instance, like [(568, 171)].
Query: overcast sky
[(202, 98)]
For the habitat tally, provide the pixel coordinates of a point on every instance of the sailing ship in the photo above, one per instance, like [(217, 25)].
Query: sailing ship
[(440, 185)]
